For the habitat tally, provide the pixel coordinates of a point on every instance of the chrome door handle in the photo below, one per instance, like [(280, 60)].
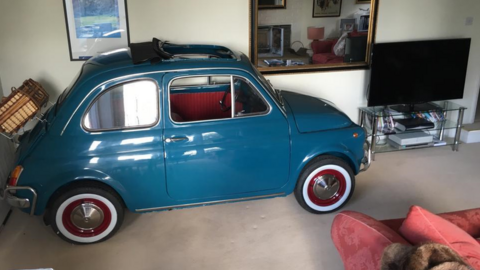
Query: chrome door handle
[(176, 139)]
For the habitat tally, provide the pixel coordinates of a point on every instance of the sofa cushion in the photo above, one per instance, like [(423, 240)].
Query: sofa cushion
[(467, 220), (321, 46), (422, 226), (361, 239)]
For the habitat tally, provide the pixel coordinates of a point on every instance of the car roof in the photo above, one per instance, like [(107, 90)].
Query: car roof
[(119, 62)]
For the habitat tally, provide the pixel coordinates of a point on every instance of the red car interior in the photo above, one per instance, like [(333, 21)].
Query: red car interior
[(186, 107)]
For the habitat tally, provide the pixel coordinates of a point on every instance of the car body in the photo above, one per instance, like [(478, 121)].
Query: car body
[(257, 149)]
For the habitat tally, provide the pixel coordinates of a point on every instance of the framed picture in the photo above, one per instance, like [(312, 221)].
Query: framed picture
[(95, 26), (272, 4), (326, 8), (363, 1), (347, 25)]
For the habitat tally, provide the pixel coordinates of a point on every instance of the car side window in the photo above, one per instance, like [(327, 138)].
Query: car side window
[(202, 98), (130, 105), (248, 100)]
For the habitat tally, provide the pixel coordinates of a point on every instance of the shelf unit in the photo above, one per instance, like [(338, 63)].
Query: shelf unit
[(369, 119)]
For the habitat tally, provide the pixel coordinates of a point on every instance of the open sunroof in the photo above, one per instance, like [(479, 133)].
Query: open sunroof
[(157, 51)]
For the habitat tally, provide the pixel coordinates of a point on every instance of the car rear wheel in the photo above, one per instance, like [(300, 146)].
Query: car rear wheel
[(86, 215), (325, 185)]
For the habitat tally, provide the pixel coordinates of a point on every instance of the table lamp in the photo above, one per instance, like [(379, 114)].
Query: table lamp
[(315, 33)]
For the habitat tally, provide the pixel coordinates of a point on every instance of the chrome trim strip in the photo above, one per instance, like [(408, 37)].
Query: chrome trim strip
[(209, 203), (154, 72), (231, 90), (232, 98), (34, 202)]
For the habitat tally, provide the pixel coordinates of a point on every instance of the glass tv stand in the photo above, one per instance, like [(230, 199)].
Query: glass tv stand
[(379, 123)]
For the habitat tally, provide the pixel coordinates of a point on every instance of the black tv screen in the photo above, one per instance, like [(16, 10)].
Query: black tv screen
[(418, 72)]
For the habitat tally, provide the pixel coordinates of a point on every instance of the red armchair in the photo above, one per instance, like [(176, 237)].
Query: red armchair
[(361, 239), (323, 52)]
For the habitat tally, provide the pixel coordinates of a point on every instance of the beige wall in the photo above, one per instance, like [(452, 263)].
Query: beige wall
[(34, 44), (33, 40)]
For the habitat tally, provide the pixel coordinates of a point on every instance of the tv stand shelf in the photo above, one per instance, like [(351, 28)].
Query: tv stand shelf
[(378, 120)]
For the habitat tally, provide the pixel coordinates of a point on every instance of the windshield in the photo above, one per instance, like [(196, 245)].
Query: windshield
[(267, 85), (69, 88)]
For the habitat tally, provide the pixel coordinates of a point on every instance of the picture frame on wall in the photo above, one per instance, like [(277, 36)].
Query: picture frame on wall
[(363, 1), (327, 8), (95, 26)]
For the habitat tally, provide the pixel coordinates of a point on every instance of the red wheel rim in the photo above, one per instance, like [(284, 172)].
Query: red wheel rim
[(342, 186), (86, 232)]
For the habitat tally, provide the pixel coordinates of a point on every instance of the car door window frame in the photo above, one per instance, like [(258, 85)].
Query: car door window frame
[(232, 96), (158, 114)]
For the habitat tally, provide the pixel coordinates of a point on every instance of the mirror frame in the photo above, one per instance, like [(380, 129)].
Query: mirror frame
[(311, 67), (284, 6)]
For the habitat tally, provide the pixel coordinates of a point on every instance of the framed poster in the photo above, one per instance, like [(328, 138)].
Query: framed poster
[(95, 26), (327, 8)]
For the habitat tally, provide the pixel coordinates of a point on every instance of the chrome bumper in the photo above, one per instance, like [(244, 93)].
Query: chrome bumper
[(367, 158), (14, 201)]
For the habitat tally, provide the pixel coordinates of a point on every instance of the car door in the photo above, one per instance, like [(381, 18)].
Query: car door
[(212, 151)]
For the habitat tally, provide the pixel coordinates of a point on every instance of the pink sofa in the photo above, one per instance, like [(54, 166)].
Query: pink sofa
[(323, 52), (361, 239)]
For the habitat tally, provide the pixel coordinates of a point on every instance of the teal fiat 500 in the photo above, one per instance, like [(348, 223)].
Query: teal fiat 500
[(160, 126)]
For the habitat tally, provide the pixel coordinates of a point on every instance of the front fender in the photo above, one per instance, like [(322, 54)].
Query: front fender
[(339, 142), (337, 150)]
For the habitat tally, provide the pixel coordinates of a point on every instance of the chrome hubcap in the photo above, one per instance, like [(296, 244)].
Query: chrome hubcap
[(87, 216), (326, 186)]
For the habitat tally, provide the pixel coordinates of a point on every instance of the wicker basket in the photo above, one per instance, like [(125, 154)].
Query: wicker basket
[(21, 106)]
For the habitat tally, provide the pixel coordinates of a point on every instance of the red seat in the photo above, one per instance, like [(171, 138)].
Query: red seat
[(186, 107)]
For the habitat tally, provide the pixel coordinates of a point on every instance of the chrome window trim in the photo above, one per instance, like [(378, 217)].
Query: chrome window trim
[(232, 98), (162, 71), (231, 89), (97, 131)]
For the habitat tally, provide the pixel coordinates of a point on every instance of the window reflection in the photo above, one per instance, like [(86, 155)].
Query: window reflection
[(136, 157), (128, 105), (137, 141)]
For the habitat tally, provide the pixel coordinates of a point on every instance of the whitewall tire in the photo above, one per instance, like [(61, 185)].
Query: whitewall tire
[(86, 215), (325, 185)]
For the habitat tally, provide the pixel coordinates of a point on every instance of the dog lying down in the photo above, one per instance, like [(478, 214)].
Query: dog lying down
[(430, 256)]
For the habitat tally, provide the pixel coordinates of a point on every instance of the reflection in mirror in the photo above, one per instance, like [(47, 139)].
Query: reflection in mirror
[(129, 105), (269, 4), (313, 34)]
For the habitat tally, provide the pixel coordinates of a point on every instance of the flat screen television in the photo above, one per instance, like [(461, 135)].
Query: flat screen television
[(414, 73)]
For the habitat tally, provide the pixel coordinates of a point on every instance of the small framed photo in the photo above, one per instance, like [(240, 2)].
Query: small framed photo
[(327, 8), (95, 27), (347, 25), (363, 1)]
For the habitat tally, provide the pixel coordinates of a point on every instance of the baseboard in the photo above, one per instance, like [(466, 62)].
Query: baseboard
[(470, 136)]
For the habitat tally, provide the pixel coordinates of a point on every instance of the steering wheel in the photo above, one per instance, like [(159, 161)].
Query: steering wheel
[(223, 107)]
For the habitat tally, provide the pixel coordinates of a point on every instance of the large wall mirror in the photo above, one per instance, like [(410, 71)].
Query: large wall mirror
[(312, 35)]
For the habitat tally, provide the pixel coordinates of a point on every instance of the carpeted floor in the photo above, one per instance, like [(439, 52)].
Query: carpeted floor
[(266, 234)]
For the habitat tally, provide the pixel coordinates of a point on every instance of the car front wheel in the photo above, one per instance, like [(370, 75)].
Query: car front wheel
[(325, 185), (86, 215)]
